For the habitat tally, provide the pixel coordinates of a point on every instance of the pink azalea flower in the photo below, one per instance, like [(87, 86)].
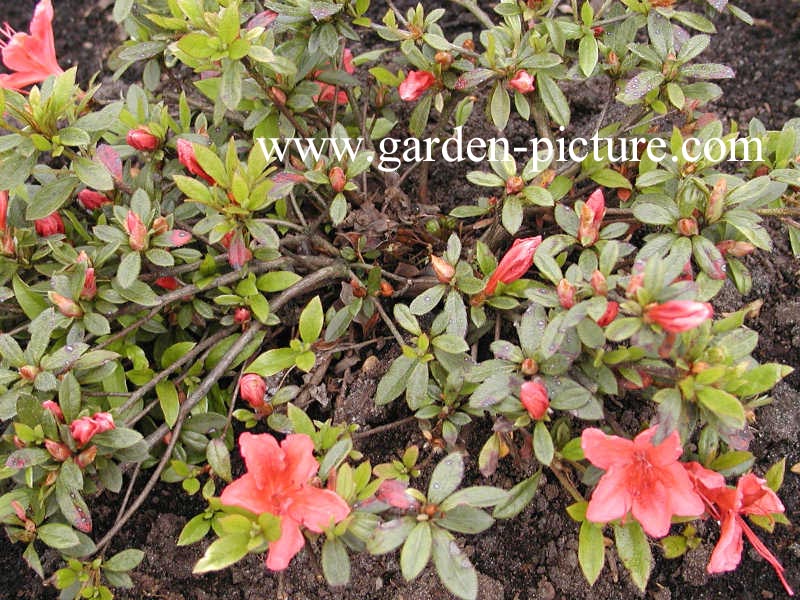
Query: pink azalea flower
[(54, 408), (727, 505), (676, 316), (50, 225), (534, 398), (514, 264), (31, 58), (522, 82), (645, 480), (415, 84), (277, 481), (252, 388), (92, 200), (187, 158), (84, 429), (591, 218)]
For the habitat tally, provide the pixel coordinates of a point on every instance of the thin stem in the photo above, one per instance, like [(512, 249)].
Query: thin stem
[(476, 11), (388, 321), (382, 428)]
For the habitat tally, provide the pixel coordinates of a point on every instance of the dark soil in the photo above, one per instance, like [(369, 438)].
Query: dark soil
[(534, 555)]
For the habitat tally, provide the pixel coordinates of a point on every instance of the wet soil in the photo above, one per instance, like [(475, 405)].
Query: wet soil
[(534, 555)]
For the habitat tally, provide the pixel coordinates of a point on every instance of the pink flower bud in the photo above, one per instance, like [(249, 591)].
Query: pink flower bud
[(238, 253), (104, 421), (514, 184), (241, 315), (676, 316), (443, 269), (29, 372), (142, 139), (688, 227), (168, 283), (252, 389), (50, 225), (522, 82), (598, 283), (734, 248), (54, 408), (612, 309), (591, 218), (160, 225), (263, 19), (187, 158), (57, 450), (415, 84), (82, 430), (395, 493), (66, 306), (3, 210), (534, 398), (514, 264), (566, 294), (137, 231), (85, 458), (337, 178), (89, 285), (716, 201)]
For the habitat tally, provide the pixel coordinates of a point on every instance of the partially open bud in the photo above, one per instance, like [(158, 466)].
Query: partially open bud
[(716, 201), (386, 289), (50, 225), (278, 95), (591, 218), (66, 306), (160, 225), (613, 59), (85, 458), (92, 200), (533, 396), (137, 231), (252, 389), (598, 31), (443, 269), (529, 367), (566, 294), (337, 178), (522, 82), (58, 450), (29, 372), (89, 285), (142, 139), (168, 283), (241, 315), (514, 184), (187, 158), (445, 59), (598, 283), (54, 408), (688, 227), (635, 283), (612, 310), (734, 248)]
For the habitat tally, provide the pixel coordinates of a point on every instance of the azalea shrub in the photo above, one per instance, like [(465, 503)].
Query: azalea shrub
[(175, 287)]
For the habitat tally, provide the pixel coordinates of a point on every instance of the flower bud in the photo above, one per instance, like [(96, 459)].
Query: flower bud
[(445, 59), (54, 408), (142, 139), (591, 218), (160, 225), (716, 201), (598, 283), (252, 389), (29, 372), (566, 294), (187, 158), (66, 306), (50, 225), (241, 315), (89, 285), (688, 227), (137, 232), (415, 84), (529, 367), (734, 248), (613, 59), (534, 398), (443, 269), (92, 200), (514, 184), (238, 253), (337, 178), (278, 96), (676, 316), (522, 82), (85, 458), (386, 289), (179, 237), (612, 309), (514, 264), (598, 31), (635, 283), (168, 283), (58, 450)]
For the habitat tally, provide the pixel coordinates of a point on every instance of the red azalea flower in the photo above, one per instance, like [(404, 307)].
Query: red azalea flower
[(187, 158), (84, 429), (677, 316), (50, 225), (591, 218), (168, 283), (326, 90), (514, 264), (727, 505), (277, 481), (534, 398), (612, 309), (142, 139), (252, 388), (415, 84), (92, 200), (645, 480), (31, 58), (522, 82), (137, 231)]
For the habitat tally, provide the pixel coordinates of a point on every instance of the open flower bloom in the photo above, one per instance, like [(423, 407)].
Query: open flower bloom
[(522, 82), (31, 58), (677, 316), (415, 84), (591, 218), (514, 264), (727, 505), (640, 478), (277, 482), (84, 429)]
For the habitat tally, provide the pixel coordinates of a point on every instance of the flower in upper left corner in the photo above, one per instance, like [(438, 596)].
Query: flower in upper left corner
[(30, 57)]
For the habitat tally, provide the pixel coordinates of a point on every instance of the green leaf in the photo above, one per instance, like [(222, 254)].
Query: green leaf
[(591, 551), (634, 551), (466, 519), (272, 361), (120, 437), (57, 535), (543, 443), (450, 343), (419, 116), (611, 178), (587, 53), (389, 535), (129, 269), (554, 100), (168, 400), (125, 560), (774, 476), (518, 498), (416, 551), (453, 567), (725, 406), (277, 281), (50, 197), (223, 552), (500, 106), (335, 562), (311, 321), (29, 301), (446, 477), (478, 495), (394, 381), (427, 300), (195, 530), (513, 214), (93, 174), (219, 458)]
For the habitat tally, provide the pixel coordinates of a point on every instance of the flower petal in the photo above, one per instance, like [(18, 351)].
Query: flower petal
[(610, 499), (265, 460), (652, 509), (316, 508), (683, 500), (727, 553), (283, 550), (603, 450), (667, 452), (300, 462), (246, 493)]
